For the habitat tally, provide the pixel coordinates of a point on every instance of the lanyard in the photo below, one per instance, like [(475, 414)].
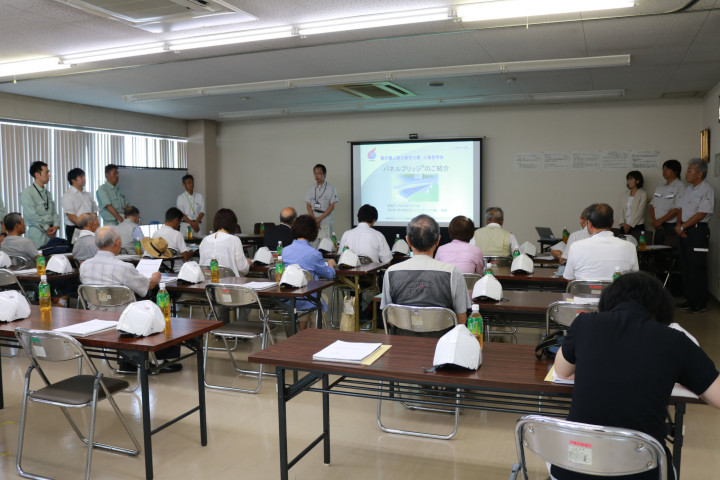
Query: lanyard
[(324, 185), (46, 200), (192, 207)]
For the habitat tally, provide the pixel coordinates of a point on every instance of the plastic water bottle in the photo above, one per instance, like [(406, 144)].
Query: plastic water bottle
[(279, 249), (488, 269), (44, 295), (334, 240), (279, 269), (262, 229), (642, 244), (616, 274), (214, 271), (138, 248), (566, 234), (189, 236), (40, 263), (475, 324), (163, 301), (516, 253), (397, 239)]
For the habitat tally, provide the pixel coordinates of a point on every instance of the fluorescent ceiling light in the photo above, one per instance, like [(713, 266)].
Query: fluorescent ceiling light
[(529, 8), (372, 21), (431, 72), (31, 66), (110, 53), (230, 38)]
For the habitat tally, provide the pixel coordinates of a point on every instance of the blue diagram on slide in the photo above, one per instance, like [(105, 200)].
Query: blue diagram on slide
[(408, 185)]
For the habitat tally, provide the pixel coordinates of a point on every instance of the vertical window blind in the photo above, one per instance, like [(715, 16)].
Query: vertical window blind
[(64, 149)]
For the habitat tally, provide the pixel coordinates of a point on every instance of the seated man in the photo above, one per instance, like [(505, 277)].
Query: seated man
[(364, 240), (626, 359), (129, 229), (596, 258), (423, 281), (85, 247), (468, 258), (105, 269), (171, 233), (15, 244), (560, 250), (492, 239), (281, 232)]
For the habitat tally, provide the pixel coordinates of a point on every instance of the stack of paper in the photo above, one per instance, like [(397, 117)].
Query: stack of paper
[(259, 285), (346, 352), (91, 327)]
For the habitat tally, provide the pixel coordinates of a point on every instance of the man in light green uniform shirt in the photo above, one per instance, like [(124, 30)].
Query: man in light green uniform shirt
[(111, 198), (38, 206)]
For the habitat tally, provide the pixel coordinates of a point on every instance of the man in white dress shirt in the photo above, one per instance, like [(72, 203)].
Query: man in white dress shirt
[(320, 202), (365, 240), (560, 249), (192, 205), (76, 201), (172, 236), (596, 258)]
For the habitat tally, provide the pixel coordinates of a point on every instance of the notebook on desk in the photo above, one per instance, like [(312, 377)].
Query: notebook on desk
[(545, 233)]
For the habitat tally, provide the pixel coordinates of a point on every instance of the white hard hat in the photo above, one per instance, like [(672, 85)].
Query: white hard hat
[(522, 264), (13, 306), (458, 347), (262, 256), (5, 260), (631, 239), (141, 319), (401, 246), (191, 273), (326, 245), (528, 249), (348, 259), (488, 286), (293, 276), (59, 264)]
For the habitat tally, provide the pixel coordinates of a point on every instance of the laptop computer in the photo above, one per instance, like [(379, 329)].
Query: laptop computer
[(545, 233)]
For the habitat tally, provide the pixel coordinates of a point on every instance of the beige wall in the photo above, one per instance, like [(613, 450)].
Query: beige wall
[(264, 165), (710, 120), (30, 109)]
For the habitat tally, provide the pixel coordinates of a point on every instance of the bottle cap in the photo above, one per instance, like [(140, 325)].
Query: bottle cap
[(43, 278), (39, 252), (162, 286), (279, 258), (617, 269), (475, 308)]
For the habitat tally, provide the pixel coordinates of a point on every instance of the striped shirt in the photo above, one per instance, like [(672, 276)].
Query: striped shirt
[(105, 269)]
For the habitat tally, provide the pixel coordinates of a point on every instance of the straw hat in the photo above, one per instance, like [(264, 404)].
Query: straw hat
[(156, 247)]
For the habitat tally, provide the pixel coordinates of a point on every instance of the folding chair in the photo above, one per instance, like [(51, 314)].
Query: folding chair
[(21, 262), (588, 449), (591, 287), (499, 261), (419, 320), (191, 300), (564, 313), (471, 279), (234, 296), (73, 392), (107, 297)]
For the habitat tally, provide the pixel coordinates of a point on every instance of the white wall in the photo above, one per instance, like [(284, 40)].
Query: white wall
[(30, 109), (710, 120), (265, 165)]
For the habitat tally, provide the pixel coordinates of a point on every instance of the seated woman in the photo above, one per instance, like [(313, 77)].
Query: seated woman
[(468, 258), (304, 231), (626, 360), (223, 245)]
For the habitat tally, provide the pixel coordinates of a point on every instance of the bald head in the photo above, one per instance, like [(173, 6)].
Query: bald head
[(288, 215)]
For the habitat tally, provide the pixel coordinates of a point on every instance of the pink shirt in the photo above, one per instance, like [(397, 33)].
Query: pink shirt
[(468, 258)]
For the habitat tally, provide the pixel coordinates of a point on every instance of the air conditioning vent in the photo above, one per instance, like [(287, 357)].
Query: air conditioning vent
[(163, 15), (373, 91)]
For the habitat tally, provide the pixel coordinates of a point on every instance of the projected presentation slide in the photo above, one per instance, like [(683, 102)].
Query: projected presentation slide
[(404, 179)]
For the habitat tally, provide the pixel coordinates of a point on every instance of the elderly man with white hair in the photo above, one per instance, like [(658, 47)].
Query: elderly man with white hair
[(85, 247)]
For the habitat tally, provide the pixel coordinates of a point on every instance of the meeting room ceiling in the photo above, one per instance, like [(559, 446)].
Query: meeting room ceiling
[(658, 49)]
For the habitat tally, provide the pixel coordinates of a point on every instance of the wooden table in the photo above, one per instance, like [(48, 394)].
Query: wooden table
[(185, 331), (510, 379), (518, 308), (310, 292), (541, 279), (360, 279)]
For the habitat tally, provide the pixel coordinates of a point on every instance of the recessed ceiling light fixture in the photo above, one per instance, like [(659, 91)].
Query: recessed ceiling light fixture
[(530, 8), (31, 66), (373, 21)]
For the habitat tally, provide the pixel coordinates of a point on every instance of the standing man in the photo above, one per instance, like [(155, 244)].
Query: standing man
[(321, 199), (192, 205), (38, 206), (663, 213), (76, 201), (695, 207), (111, 197)]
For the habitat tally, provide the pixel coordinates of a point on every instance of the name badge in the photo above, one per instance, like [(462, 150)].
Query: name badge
[(317, 205)]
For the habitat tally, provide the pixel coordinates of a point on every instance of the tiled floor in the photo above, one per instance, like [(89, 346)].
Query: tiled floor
[(242, 433)]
